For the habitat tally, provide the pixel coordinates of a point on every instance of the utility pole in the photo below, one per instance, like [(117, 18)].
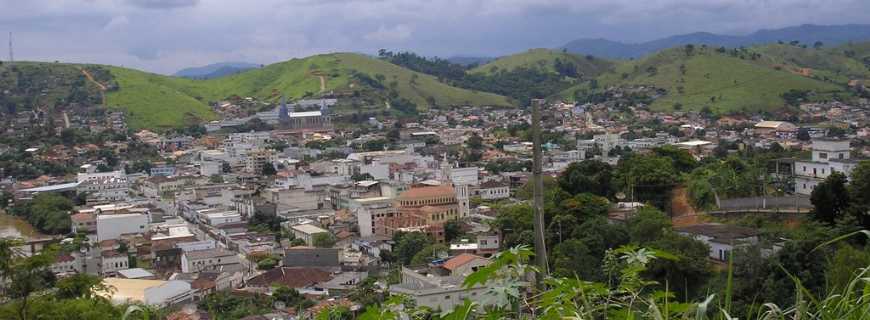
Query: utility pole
[(11, 56), (538, 179)]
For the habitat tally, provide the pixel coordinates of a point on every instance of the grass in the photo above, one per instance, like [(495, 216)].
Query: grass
[(545, 59), (720, 81), (161, 102)]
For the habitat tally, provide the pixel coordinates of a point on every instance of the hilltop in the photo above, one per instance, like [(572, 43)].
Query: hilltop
[(807, 34), (161, 102), (722, 79), (215, 70), (546, 60)]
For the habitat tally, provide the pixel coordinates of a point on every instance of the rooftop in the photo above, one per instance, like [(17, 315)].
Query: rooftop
[(427, 192)]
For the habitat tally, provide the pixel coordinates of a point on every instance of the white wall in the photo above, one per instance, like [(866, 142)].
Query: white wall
[(113, 226)]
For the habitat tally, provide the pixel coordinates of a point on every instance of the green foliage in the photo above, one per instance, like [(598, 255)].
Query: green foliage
[(225, 305), (323, 240), (267, 263), (590, 176), (830, 198), (408, 245), (648, 224), (428, 253), (291, 298), (647, 178), (48, 212)]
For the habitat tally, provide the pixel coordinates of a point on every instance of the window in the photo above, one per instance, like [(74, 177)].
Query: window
[(446, 297), (841, 156), (823, 155)]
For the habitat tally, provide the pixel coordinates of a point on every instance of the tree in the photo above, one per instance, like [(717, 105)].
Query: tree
[(80, 285), (216, 178), (859, 193), (291, 297), (647, 178), (267, 263), (590, 176), (269, 169), (48, 212), (452, 230), (830, 198), (648, 224), (323, 240), (408, 245), (429, 253), (683, 161)]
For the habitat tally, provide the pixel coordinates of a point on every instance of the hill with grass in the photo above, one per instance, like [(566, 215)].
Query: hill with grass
[(161, 102), (723, 80), (547, 60)]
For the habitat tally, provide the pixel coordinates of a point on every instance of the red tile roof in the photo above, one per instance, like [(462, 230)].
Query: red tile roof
[(459, 261)]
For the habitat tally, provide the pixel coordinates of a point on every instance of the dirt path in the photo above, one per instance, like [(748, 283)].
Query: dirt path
[(682, 212), (322, 83), (91, 79)]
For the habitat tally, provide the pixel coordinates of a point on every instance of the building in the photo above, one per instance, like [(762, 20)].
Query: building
[(828, 156), (424, 209), (484, 245), (256, 160), (84, 222), (164, 170), (291, 277), (208, 260), (775, 128), (441, 288), (112, 261), (112, 226), (67, 264), (217, 218), (105, 188), (150, 292), (311, 257), (158, 186), (306, 232), (369, 210), (721, 238), (494, 190)]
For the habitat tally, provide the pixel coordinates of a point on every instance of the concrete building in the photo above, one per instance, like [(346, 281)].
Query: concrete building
[(311, 257), (217, 218), (83, 222), (150, 292), (208, 260), (306, 232), (442, 289), (721, 238), (109, 188), (828, 156), (112, 226), (369, 210), (112, 261), (494, 190)]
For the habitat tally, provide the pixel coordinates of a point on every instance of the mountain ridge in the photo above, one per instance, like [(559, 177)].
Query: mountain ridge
[(829, 35)]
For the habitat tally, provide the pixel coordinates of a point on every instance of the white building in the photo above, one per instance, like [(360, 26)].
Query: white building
[(828, 155), (493, 190), (207, 260), (112, 226), (151, 292), (441, 292), (216, 218), (721, 238), (109, 188), (112, 261), (464, 176)]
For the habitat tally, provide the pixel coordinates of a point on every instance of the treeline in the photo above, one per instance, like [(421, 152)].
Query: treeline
[(520, 84)]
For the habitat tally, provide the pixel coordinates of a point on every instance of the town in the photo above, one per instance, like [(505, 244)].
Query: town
[(277, 160), (324, 210)]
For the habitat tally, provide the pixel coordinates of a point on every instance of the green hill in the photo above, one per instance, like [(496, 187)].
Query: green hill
[(729, 80), (160, 102), (545, 60), (833, 64)]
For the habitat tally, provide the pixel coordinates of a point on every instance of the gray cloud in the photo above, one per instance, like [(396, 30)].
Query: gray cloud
[(163, 4), (135, 33)]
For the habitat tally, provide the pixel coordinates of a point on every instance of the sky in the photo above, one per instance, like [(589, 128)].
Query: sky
[(164, 36)]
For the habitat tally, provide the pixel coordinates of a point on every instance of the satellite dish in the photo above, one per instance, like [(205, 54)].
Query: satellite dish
[(620, 195)]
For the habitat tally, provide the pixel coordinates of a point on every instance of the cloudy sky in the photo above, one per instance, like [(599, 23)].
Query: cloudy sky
[(166, 35)]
